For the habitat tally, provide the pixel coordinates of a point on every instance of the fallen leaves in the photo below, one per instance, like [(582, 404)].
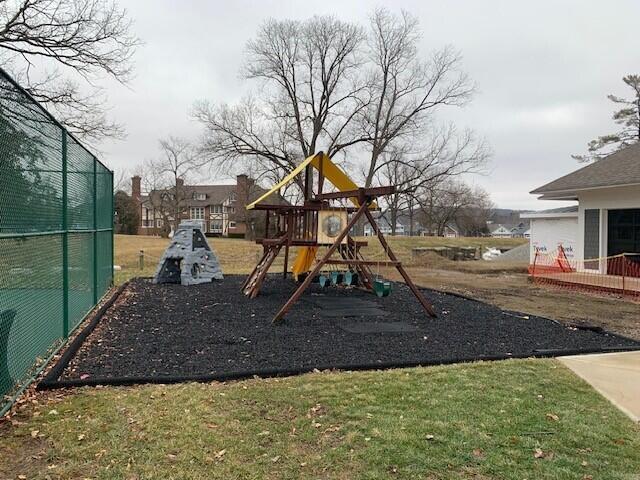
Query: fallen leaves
[(316, 411), (541, 454), (478, 453), (552, 416)]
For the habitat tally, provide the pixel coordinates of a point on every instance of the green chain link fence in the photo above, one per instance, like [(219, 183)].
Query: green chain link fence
[(56, 236)]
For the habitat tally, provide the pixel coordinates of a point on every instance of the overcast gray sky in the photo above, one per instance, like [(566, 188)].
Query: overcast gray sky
[(543, 71)]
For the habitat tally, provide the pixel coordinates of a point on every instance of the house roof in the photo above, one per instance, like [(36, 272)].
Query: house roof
[(513, 229), (561, 212), (216, 194), (500, 227), (618, 169)]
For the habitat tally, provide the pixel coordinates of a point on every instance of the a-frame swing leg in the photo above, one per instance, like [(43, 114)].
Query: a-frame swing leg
[(383, 241), (307, 281)]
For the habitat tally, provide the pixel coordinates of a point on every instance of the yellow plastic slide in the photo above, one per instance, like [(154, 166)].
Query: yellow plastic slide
[(333, 173), (305, 258)]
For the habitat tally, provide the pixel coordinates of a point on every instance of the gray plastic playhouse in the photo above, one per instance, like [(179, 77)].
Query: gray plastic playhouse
[(188, 260)]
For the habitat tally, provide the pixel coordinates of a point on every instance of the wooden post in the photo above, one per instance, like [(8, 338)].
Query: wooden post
[(288, 244), (425, 304), (624, 272), (321, 175), (307, 281)]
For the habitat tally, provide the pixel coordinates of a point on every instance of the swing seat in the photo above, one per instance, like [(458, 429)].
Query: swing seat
[(350, 278), (382, 288), (336, 278), (323, 280)]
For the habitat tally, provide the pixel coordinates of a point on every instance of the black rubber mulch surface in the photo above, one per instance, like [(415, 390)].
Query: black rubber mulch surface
[(163, 331)]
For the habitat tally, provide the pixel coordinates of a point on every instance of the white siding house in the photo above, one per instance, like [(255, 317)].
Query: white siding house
[(552, 228), (607, 221)]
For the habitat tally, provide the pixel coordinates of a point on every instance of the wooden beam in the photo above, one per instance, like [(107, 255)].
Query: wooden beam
[(385, 263), (366, 192), (305, 284), (300, 208), (383, 241)]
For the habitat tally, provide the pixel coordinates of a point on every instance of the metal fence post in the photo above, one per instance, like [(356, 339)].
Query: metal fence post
[(95, 230), (65, 239), (113, 238)]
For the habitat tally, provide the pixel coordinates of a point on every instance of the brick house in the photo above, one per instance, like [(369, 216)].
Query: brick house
[(219, 208)]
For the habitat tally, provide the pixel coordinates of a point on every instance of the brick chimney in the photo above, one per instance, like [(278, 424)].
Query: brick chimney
[(243, 190), (179, 182), (136, 189)]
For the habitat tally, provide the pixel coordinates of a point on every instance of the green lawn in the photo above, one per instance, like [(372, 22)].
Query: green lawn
[(504, 420)]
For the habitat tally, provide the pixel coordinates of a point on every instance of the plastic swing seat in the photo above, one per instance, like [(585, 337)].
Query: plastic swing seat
[(382, 288), (350, 278), (323, 280), (336, 278)]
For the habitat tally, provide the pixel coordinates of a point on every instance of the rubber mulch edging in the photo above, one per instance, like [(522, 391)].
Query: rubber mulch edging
[(50, 380), (133, 320)]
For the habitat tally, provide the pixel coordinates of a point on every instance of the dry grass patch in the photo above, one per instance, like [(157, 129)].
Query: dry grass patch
[(239, 256)]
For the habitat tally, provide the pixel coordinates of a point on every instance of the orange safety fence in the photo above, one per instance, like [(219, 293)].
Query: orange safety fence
[(618, 274)]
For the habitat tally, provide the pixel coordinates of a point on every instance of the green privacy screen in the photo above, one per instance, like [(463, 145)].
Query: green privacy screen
[(56, 236)]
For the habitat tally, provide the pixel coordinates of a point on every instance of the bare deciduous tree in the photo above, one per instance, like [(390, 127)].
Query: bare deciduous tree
[(57, 49), (326, 85), (448, 202), (421, 170), (405, 91), (472, 219), (165, 178), (310, 94)]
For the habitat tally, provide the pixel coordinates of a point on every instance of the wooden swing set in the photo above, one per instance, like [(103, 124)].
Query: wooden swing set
[(319, 222)]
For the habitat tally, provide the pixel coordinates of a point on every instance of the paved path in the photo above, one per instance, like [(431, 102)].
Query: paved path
[(615, 375)]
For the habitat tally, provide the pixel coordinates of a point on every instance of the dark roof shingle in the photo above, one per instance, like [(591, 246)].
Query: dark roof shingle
[(620, 168)]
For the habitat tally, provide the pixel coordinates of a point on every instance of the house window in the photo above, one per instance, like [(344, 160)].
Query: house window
[(159, 223), (232, 197), (231, 209), (197, 213), (216, 226), (216, 209), (146, 220), (232, 224), (199, 196)]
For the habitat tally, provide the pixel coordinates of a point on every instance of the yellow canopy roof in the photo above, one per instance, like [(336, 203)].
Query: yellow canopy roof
[(330, 170)]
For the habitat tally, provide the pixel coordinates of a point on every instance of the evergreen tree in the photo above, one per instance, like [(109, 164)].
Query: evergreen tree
[(628, 117), (128, 213)]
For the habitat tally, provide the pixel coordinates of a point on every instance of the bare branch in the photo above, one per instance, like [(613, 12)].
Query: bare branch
[(84, 38)]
